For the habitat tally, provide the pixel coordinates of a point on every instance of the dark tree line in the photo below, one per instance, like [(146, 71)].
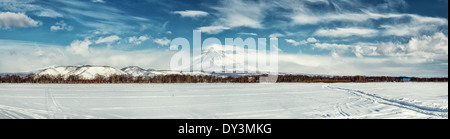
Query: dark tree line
[(74, 79), (337, 79)]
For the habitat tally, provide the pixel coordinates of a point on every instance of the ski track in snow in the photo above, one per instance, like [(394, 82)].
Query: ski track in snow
[(55, 110), (53, 107), (432, 111), (342, 112), (21, 113)]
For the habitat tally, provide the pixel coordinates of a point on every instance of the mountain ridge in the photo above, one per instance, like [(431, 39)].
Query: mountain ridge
[(89, 72)]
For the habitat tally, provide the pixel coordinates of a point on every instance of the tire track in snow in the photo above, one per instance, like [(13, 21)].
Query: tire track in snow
[(441, 112)]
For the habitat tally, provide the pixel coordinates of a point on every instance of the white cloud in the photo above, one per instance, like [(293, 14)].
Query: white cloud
[(296, 43), (49, 13), (20, 20), (169, 32), (420, 49), (79, 47), (401, 30), (163, 41), (249, 34), (137, 40), (428, 48), (56, 28), (336, 50), (370, 66), (276, 35), (331, 46), (213, 29), (303, 19), (361, 51), (98, 1), (109, 40), (293, 42), (312, 40), (318, 1), (389, 48), (61, 25), (191, 13), (241, 21), (346, 32)]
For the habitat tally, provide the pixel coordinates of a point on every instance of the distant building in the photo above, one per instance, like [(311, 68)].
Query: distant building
[(403, 79)]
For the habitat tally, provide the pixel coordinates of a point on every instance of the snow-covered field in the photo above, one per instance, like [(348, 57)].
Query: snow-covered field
[(317, 100)]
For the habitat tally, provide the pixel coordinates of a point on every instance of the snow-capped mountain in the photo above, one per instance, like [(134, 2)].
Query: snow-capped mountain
[(224, 58), (89, 72), (85, 72), (135, 71)]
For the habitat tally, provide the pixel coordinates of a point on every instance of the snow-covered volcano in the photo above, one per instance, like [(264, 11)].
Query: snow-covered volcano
[(218, 58)]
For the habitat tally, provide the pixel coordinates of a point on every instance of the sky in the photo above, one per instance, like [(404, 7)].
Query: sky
[(330, 37)]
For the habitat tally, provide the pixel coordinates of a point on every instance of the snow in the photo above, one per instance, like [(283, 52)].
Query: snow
[(230, 101)]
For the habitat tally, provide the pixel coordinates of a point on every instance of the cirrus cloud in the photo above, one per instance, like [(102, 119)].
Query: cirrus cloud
[(98, 1), (213, 29), (346, 32), (237, 13)]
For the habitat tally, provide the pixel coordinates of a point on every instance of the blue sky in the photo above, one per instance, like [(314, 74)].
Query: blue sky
[(334, 37)]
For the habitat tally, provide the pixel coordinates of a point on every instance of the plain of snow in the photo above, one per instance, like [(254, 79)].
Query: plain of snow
[(230, 101)]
